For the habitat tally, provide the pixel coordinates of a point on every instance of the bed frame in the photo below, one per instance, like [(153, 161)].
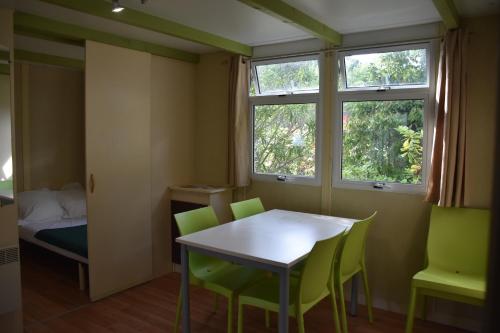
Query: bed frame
[(82, 262)]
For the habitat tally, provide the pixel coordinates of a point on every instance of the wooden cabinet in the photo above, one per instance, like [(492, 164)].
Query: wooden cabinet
[(185, 198), (118, 157)]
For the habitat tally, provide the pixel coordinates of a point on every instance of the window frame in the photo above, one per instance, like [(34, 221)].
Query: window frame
[(421, 92), (385, 49), (282, 60), (290, 98)]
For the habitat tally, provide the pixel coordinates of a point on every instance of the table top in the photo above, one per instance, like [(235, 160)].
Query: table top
[(276, 237)]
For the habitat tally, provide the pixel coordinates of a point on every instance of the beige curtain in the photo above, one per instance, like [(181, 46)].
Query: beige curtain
[(239, 115), (446, 178)]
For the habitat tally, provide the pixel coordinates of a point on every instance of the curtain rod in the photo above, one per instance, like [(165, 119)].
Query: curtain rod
[(347, 48)]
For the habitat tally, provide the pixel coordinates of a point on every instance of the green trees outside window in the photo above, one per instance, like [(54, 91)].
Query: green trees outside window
[(284, 130), (382, 141), (285, 139), (382, 133)]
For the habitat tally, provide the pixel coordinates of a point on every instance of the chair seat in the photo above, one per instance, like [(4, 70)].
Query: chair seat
[(228, 278), (449, 282), (266, 294)]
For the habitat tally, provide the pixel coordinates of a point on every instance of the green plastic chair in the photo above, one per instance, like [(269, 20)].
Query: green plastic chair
[(314, 284), (247, 208), (350, 261), (457, 255), (210, 273)]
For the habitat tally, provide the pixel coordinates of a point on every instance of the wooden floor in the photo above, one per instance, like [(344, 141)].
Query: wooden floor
[(53, 303)]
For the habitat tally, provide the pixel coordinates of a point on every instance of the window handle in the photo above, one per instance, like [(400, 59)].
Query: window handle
[(380, 185), (383, 88)]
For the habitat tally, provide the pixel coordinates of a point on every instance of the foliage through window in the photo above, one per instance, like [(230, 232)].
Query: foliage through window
[(386, 69), (383, 99), (285, 98)]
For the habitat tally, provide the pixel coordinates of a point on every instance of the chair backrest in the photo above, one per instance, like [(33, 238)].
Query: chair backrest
[(353, 247), (316, 273), (247, 208), (193, 221), (458, 240)]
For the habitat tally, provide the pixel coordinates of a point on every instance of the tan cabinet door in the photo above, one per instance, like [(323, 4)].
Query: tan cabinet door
[(118, 158)]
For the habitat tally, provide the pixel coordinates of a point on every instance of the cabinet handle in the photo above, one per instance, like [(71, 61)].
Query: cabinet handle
[(92, 183)]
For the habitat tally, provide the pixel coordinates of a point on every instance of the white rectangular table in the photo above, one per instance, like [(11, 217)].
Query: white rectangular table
[(274, 241)]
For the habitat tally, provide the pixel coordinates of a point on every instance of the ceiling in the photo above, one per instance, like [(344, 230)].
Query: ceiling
[(234, 20)]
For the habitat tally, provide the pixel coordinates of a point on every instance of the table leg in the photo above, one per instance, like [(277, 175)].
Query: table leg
[(284, 298), (354, 295), (185, 290)]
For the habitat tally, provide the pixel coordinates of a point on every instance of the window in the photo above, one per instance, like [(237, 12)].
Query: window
[(284, 96), (382, 119)]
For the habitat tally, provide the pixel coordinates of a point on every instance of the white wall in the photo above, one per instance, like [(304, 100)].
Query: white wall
[(172, 146)]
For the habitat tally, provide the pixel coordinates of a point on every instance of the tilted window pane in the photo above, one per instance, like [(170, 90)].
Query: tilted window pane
[(289, 77), (285, 139), (396, 69), (383, 141)]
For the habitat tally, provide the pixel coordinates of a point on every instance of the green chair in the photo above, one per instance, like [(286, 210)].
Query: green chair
[(314, 284), (457, 255), (247, 208), (210, 273), (350, 261)]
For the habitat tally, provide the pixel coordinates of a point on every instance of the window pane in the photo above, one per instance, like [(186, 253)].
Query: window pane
[(285, 139), (288, 77), (383, 141), (399, 68)]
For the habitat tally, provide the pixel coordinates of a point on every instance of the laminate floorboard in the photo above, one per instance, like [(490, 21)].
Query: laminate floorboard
[(53, 303)]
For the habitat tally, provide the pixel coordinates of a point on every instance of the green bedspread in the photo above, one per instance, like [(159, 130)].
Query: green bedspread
[(72, 239)]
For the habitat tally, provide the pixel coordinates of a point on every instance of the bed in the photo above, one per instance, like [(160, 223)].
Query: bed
[(48, 220), (67, 237)]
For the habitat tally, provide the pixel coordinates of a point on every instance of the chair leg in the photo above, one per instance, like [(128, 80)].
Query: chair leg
[(335, 310), (424, 306), (178, 313), (230, 314), (240, 317), (300, 322), (411, 310), (368, 296), (343, 314), (268, 318)]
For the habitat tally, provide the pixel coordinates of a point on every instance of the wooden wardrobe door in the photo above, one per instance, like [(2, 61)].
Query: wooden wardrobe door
[(117, 107)]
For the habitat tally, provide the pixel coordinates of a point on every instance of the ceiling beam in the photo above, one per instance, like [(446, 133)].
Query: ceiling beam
[(140, 19), (48, 59), (37, 35), (292, 15), (56, 30), (448, 13)]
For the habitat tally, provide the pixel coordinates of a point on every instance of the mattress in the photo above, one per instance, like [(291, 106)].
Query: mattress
[(73, 239), (55, 236)]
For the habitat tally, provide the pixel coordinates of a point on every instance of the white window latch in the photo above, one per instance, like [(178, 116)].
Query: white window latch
[(380, 185), (281, 178)]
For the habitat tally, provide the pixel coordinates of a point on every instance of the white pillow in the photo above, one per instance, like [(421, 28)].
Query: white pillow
[(39, 206), (73, 202)]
